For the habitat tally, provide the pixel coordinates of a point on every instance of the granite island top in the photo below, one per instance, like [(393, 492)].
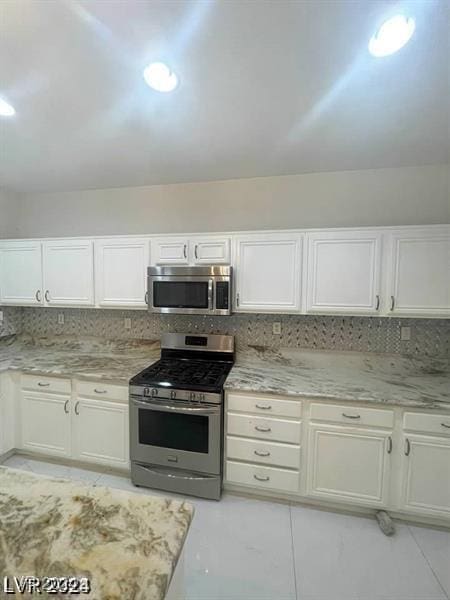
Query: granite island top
[(82, 358), (348, 376), (127, 544), (422, 382)]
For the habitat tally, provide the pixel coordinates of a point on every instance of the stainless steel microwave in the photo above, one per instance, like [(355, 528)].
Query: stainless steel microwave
[(203, 290)]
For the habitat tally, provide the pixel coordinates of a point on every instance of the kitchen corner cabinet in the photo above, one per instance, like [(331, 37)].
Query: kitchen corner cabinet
[(68, 272), (121, 272), (268, 273), (343, 272), (21, 273), (419, 272)]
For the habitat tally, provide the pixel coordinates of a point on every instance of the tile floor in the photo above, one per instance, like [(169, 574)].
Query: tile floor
[(243, 549)]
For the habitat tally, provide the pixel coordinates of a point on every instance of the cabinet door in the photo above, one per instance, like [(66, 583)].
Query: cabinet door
[(170, 251), (343, 272), (419, 282), (121, 272), (268, 274), (100, 432), (210, 251), (45, 423), (426, 475), (348, 465), (21, 273), (69, 272)]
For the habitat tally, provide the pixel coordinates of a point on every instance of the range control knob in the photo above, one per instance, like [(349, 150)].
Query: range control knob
[(154, 391), (173, 394), (192, 396)]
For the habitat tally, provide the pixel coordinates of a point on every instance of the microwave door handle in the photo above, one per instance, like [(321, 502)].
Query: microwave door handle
[(210, 295)]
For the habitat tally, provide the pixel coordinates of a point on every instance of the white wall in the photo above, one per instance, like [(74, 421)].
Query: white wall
[(8, 214), (400, 196)]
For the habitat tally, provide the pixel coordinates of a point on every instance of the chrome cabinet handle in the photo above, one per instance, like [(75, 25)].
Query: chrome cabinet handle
[(392, 303), (146, 298), (263, 429), (260, 478), (40, 384), (65, 407), (77, 412), (445, 425), (38, 295), (196, 251), (258, 453), (47, 296), (407, 447), (377, 307), (100, 391), (351, 416), (185, 250), (261, 407), (389, 450), (237, 299)]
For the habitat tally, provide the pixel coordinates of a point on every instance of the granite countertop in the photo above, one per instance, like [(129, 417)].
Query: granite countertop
[(82, 358), (346, 376), (126, 543)]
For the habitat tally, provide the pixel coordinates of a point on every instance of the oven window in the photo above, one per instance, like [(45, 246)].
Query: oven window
[(180, 294), (173, 430)]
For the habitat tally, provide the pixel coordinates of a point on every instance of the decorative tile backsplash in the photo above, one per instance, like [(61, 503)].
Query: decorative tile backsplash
[(12, 320), (429, 337)]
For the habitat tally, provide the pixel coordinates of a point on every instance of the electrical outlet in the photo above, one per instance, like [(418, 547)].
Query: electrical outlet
[(405, 334), (276, 328), (1, 316), (127, 323), (60, 318)]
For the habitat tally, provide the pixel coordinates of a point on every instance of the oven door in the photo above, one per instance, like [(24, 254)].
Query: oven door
[(180, 295), (176, 434)]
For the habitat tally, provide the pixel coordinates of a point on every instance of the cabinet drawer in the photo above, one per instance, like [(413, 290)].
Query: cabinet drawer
[(46, 384), (427, 423), (258, 427), (99, 390), (352, 415), (264, 405), (262, 477), (270, 453)]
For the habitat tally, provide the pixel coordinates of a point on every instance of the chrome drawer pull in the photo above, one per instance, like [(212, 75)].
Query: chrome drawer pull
[(261, 453), (407, 447), (77, 412), (377, 307), (100, 391), (38, 296), (445, 425), (351, 416), (260, 406), (389, 450), (65, 407), (392, 303), (40, 384), (259, 478), (263, 429)]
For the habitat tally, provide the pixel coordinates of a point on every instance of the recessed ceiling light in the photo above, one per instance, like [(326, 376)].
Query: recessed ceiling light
[(159, 77), (392, 35), (6, 110)]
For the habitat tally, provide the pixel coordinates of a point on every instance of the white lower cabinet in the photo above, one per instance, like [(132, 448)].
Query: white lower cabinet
[(45, 423), (262, 476), (426, 475), (349, 465), (100, 432)]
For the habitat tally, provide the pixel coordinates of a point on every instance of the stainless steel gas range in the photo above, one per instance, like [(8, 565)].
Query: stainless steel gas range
[(176, 415)]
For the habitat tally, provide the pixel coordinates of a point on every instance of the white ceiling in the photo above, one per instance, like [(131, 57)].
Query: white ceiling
[(268, 87)]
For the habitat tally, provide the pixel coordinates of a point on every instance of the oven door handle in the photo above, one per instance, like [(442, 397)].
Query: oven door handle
[(179, 408), (211, 295)]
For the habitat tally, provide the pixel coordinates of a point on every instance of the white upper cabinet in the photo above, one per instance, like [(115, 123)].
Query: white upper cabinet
[(21, 273), (210, 250), (268, 272), (69, 272), (170, 251), (343, 272), (121, 272), (419, 273)]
